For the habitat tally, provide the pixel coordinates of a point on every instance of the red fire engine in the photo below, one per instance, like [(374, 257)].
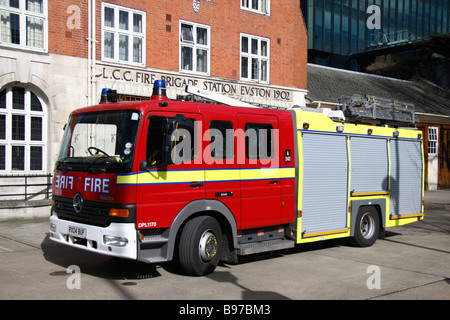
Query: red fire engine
[(161, 179)]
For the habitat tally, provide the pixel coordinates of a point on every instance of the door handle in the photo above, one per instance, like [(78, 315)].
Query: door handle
[(274, 181), (195, 184)]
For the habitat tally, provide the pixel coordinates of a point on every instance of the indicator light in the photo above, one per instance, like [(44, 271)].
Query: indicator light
[(121, 213)]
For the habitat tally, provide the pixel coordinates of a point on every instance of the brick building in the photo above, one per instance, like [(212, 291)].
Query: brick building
[(57, 55)]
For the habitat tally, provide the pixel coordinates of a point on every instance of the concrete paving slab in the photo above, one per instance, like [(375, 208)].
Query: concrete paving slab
[(413, 262)]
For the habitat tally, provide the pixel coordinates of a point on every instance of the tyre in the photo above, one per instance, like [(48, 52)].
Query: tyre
[(367, 227), (200, 246)]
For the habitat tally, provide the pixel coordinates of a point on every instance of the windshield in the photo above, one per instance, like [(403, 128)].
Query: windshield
[(99, 142)]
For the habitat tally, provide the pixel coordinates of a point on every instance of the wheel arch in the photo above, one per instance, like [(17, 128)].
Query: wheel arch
[(212, 208), (378, 204)]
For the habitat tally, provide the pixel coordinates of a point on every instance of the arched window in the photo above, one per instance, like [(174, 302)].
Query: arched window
[(23, 125)]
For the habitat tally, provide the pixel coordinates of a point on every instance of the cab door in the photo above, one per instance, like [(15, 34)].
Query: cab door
[(260, 176), (165, 187), (219, 155)]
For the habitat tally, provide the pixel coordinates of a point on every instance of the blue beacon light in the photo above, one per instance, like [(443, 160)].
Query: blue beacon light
[(159, 90), (104, 95)]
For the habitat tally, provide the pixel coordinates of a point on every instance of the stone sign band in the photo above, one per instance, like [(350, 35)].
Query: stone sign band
[(131, 79)]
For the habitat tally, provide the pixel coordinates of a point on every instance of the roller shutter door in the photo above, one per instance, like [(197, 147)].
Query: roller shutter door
[(370, 164), (406, 177), (325, 183)]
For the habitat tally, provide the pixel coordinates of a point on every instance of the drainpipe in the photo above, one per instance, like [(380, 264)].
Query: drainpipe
[(91, 63), (93, 55), (88, 78)]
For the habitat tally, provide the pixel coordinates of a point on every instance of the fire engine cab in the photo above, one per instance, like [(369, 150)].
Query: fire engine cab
[(162, 179)]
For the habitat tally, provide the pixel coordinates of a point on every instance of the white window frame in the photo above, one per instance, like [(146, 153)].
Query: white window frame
[(195, 46), (27, 143), (23, 15), (256, 6), (117, 32), (433, 138), (254, 56)]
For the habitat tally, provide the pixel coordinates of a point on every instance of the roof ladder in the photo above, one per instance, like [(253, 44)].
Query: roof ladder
[(365, 108)]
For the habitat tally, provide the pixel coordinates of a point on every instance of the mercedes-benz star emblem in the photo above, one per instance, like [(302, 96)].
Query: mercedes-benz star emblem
[(77, 203)]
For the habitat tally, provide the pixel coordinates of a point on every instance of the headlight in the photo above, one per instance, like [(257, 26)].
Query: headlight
[(115, 241)]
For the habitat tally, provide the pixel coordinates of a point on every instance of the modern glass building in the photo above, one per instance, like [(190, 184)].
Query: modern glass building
[(339, 28)]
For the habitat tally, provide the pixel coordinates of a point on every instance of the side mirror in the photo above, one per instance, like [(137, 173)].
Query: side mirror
[(143, 165)]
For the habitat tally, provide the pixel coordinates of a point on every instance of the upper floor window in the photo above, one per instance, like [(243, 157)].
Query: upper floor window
[(432, 140), (255, 58), (194, 47), (23, 23), (123, 34), (258, 6), (23, 126)]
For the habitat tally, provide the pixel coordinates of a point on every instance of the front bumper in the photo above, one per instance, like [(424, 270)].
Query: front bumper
[(93, 238)]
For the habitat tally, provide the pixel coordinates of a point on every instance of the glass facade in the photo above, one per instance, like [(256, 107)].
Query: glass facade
[(346, 27)]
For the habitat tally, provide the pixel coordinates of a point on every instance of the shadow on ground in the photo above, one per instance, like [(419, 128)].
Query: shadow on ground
[(112, 268), (95, 264)]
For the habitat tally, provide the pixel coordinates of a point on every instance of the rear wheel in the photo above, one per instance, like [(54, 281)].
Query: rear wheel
[(200, 246), (367, 227)]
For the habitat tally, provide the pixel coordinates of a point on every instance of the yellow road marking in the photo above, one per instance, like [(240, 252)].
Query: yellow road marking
[(6, 249)]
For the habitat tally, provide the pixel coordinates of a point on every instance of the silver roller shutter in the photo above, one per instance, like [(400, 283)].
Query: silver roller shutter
[(406, 177), (325, 183), (370, 164)]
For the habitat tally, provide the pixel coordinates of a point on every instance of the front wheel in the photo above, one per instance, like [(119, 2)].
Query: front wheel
[(367, 227), (200, 246)]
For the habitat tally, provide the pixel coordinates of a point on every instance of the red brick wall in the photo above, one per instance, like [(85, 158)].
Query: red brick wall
[(284, 27), (61, 39)]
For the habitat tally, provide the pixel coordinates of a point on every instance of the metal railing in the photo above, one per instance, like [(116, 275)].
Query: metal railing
[(387, 39), (15, 188)]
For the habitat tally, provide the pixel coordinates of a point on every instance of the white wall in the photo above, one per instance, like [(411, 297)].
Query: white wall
[(59, 80), (432, 172)]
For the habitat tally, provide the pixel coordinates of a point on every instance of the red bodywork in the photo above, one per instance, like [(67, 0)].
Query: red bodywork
[(254, 202)]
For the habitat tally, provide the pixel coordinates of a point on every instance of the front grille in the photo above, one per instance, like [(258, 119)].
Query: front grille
[(93, 213)]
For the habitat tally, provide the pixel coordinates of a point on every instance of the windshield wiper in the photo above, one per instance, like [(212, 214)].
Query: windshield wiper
[(95, 170), (61, 162)]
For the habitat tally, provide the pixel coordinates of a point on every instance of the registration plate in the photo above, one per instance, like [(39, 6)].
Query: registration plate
[(77, 232)]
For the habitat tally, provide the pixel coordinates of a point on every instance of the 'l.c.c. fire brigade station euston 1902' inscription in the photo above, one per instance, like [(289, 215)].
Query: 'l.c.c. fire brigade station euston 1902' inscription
[(176, 81)]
